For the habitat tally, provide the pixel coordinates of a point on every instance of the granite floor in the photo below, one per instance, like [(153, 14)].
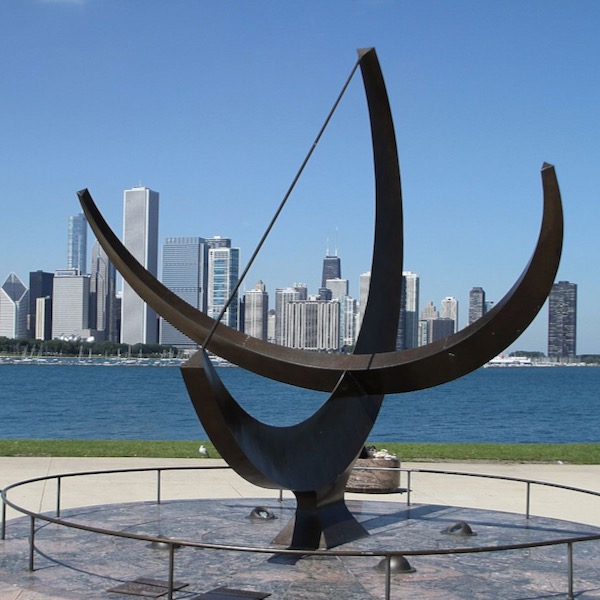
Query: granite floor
[(72, 564)]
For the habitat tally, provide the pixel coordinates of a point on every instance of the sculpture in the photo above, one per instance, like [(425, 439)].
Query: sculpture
[(314, 458)]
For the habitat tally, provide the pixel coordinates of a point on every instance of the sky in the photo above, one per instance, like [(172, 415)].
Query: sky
[(216, 104)]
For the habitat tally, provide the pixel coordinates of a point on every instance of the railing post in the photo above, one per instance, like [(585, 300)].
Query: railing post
[(570, 595), (31, 541), (3, 532), (58, 490), (408, 473), (171, 570), (158, 485), (388, 576), (528, 500)]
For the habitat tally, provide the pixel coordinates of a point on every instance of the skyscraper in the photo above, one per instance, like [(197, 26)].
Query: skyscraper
[(312, 325), (364, 282), (282, 297), (450, 310), (70, 305), (408, 321), (223, 275), (139, 323), (332, 269), (77, 243), (562, 320), (185, 272), (14, 306), (256, 308), (40, 286), (476, 304), (103, 288)]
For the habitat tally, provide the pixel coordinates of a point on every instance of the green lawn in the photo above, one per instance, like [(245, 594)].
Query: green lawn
[(568, 453)]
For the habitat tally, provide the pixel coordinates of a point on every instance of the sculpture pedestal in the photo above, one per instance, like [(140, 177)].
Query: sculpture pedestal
[(374, 482)]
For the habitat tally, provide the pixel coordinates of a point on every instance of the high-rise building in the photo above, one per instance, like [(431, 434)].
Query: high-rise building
[(256, 308), (364, 282), (338, 287), (408, 320), (223, 275), (332, 269), (184, 272), (312, 325), (14, 306), (103, 282), (476, 304), (450, 310), (77, 243), (347, 321), (562, 320), (139, 323), (70, 305), (282, 297), (40, 286)]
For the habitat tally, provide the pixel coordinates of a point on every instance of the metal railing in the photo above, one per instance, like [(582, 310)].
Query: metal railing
[(384, 554)]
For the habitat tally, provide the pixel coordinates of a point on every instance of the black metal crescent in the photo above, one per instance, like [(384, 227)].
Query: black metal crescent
[(384, 372)]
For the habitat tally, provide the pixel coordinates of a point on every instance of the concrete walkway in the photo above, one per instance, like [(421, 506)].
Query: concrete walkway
[(426, 488)]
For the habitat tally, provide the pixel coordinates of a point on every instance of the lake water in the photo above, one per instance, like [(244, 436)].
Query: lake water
[(505, 405)]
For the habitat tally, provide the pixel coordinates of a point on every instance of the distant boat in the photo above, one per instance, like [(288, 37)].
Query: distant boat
[(509, 361)]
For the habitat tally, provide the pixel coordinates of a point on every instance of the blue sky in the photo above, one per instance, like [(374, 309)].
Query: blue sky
[(215, 104)]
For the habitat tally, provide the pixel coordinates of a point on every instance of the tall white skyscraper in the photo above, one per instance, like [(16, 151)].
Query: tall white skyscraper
[(139, 323), (282, 297), (70, 305), (256, 308), (77, 243), (14, 306), (450, 310), (408, 326), (223, 275), (185, 272)]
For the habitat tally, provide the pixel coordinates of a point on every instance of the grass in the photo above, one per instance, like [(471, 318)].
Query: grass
[(583, 454)]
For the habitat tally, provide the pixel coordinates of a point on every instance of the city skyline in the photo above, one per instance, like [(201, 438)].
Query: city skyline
[(481, 96)]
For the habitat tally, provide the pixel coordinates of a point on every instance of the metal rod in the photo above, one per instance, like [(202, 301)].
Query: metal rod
[(408, 473), (171, 570), (158, 485), (3, 532), (388, 576), (280, 495), (280, 208), (31, 541), (528, 500), (58, 490), (570, 595)]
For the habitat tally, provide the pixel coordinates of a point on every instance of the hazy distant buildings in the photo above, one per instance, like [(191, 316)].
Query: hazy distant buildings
[(70, 305), (476, 304), (14, 307), (40, 288), (223, 274), (364, 281), (433, 327), (77, 243), (256, 308), (184, 272), (562, 320), (139, 323), (103, 281)]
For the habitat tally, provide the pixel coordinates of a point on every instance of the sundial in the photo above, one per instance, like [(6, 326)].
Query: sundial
[(314, 458)]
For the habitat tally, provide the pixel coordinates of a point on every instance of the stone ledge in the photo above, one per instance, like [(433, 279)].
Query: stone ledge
[(367, 481)]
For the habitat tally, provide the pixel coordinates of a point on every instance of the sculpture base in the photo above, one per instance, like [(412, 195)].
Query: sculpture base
[(320, 527), (365, 479)]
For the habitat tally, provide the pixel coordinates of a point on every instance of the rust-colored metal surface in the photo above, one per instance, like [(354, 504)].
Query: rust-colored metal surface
[(314, 458)]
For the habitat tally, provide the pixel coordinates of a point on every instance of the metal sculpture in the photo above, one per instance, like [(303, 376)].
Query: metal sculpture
[(314, 458)]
